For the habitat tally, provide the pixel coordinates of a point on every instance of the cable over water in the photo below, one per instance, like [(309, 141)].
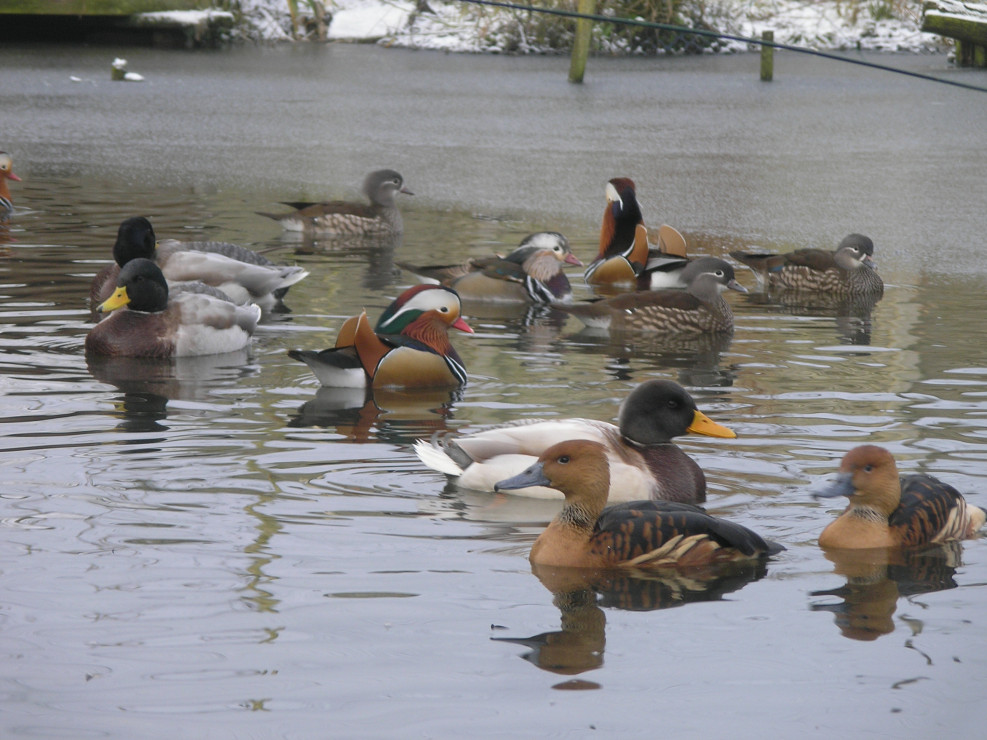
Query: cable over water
[(717, 34)]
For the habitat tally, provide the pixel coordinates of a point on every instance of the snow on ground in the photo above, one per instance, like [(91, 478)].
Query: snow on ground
[(884, 25)]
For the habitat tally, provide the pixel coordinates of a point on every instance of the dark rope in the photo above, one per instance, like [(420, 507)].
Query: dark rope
[(716, 34)]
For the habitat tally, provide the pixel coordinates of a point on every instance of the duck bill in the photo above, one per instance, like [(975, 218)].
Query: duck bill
[(12, 176), (118, 299), (842, 486), (734, 285), (405, 191), (533, 476), (571, 259), (702, 424), (462, 326)]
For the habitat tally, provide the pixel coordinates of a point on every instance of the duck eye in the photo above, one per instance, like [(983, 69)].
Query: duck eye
[(673, 404), (563, 460), (718, 273), (868, 468), (444, 309)]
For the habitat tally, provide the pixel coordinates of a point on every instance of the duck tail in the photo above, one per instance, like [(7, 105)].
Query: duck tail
[(435, 456)]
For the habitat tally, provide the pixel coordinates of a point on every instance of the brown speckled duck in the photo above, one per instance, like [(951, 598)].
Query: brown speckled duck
[(243, 275), (644, 462), (635, 534), (147, 322), (849, 270), (888, 511), (699, 309), (532, 273), (345, 218), (409, 348), (6, 173)]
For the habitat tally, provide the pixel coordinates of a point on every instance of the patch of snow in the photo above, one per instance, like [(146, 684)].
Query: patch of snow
[(186, 17), (368, 19), (461, 27)]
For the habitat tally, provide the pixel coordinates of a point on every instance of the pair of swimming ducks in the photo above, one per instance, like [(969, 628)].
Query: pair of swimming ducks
[(653, 489)]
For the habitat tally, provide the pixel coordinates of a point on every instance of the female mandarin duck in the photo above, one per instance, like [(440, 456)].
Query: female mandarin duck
[(243, 275), (343, 218), (634, 534), (532, 273), (624, 250), (849, 270), (643, 461), (888, 511), (699, 309), (6, 173), (409, 348), (150, 324)]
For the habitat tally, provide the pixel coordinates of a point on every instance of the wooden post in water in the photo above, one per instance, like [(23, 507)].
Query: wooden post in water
[(580, 43), (767, 57)]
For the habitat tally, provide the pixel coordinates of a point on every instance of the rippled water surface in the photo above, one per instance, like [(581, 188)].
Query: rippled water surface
[(217, 548)]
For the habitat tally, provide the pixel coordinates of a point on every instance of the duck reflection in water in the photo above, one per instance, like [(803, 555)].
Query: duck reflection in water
[(697, 359), (582, 595), (851, 314), (149, 383), (876, 579), (376, 251), (379, 414)]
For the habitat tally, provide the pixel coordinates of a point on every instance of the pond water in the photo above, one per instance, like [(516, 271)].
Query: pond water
[(217, 548)]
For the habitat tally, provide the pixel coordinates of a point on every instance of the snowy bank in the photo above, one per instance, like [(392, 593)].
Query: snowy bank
[(891, 25)]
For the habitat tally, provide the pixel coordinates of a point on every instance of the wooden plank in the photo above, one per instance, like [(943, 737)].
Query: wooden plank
[(98, 7), (952, 26)]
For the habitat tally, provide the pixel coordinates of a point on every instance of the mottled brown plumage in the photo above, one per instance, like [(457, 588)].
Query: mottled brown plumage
[(849, 270), (344, 218), (637, 534), (699, 309), (888, 511)]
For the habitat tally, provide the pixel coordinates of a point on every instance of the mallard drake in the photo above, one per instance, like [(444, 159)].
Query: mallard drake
[(848, 270), (888, 511), (245, 276), (6, 173), (345, 218), (643, 461), (699, 309), (145, 322), (636, 534), (409, 348), (532, 273)]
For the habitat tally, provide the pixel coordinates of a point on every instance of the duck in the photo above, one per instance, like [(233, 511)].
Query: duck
[(409, 348), (242, 274), (644, 463), (644, 535), (145, 321), (531, 273), (699, 309), (888, 511), (343, 218), (6, 173), (847, 271), (624, 248)]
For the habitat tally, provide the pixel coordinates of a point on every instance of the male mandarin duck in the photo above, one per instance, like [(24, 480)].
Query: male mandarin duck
[(344, 218), (849, 270), (635, 534), (699, 309), (888, 511), (245, 276), (146, 322), (532, 273), (409, 348), (6, 173), (624, 250), (643, 461)]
